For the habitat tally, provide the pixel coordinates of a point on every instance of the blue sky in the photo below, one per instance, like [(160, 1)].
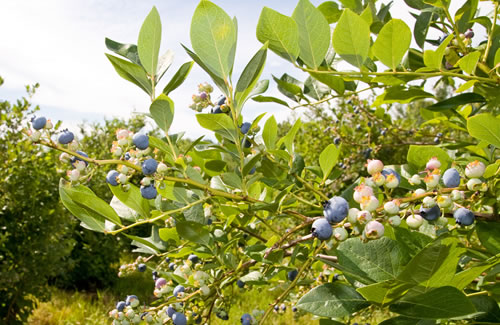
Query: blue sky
[(60, 44)]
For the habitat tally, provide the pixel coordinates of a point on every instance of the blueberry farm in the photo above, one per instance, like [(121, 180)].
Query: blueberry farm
[(416, 241)]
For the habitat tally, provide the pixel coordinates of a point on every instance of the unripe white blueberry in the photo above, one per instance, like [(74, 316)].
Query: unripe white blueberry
[(415, 180), (146, 181), (428, 202), (356, 230), (117, 151), (433, 163), (457, 195), (374, 166), (161, 168), (414, 221), (340, 234), (113, 313), (73, 145), (122, 178), (369, 182), (352, 217), (391, 181), (149, 318), (207, 211), (122, 134), (369, 203), (374, 230), (474, 184), (126, 187), (120, 316), (475, 169), (64, 157), (125, 322), (80, 165), (419, 191), (130, 313), (391, 207), (49, 125), (444, 201), (73, 175), (137, 319), (361, 191), (431, 180), (442, 221), (394, 221), (35, 136), (378, 179), (122, 142), (363, 217), (218, 233), (116, 322)]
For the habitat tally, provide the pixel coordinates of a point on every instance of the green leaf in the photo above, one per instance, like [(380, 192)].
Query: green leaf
[(213, 37), (438, 3), (219, 82), (422, 27), (128, 51), (148, 44), (331, 11), (485, 127), (167, 234), (220, 124), (399, 94), (281, 32), (443, 302), (432, 59), (314, 33), (456, 101), (328, 159), (464, 278), (131, 72), (174, 192), (270, 99), (162, 111), (132, 198), (400, 320), (412, 241), (178, 77), (290, 136), (250, 76), (418, 156), (289, 86), (379, 260), (488, 235), (469, 62), (334, 82), (315, 89), (465, 14), (151, 244), (270, 133), (392, 43), (259, 88), (333, 300), (351, 38), (193, 231), (385, 292)]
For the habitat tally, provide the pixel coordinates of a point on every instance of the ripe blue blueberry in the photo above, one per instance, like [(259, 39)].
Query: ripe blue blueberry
[(65, 137), (221, 101), (430, 214), (464, 217), (149, 192), (170, 311), (149, 166), (130, 300), (39, 122), (111, 177), (246, 143), (141, 267), (179, 319), (336, 209), (75, 159), (120, 305), (336, 141), (321, 228), (193, 258), (245, 127), (451, 178), (246, 319), (292, 275), (276, 307), (171, 266), (217, 110), (294, 309), (127, 156), (240, 283), (141, 141), (178, 289)]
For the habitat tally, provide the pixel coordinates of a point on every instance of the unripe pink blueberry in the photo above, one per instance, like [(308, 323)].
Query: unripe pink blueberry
[(160, 282), (433, 163), (475, 169), (122, 134), (374, 230), (431, 180), (391, 181), (361, 191), (374, 166), (369, 203), (414, 221), (391, 207), (378, 179), (363, 217), (73, 175)]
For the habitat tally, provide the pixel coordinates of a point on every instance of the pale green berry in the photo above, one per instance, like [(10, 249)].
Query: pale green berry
[(394, 221), (391, 207), (205, 290), (419, 191), (130, 313), (340, 234), (364, 216), (442, 221), (122, 178), (352, 217), (428, 202), (414, 221), (415, 180), (474, 184), (218, 233), (444, 201)]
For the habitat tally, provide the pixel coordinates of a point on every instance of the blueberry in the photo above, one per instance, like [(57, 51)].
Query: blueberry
[(221, 101), (383, 132), (127, 156), (148, 192), (283, 307), (149, 166), (160, 282), (367, 153), (171, 266), (111, 177), (369, 124), (451, 178), (336, 141), (240, 283), (430, 214), (141, 267), (464, 217), (155, 275), (167, 259), (292, 275), (437, 140), (141, 141), (193, 258), (442, 38), (170, 311), (209, 221), (75, 159), (245, 127), (439, 135), (66, 137), (252, 171), (130, 300), (179, 319), (294, 309), (222, 314), (321, 228), (246, 143), (387, 171), (336, 209), (120, 305), (246, 319), (178, 289), (39, 122), (276, 307), (216, 110), (469, 34)]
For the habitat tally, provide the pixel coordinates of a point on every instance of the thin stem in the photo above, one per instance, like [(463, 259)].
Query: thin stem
[(490, 36)]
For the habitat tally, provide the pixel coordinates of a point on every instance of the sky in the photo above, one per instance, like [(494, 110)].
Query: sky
[(60, 44)]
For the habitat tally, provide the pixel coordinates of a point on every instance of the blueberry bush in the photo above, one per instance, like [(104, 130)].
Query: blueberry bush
[(414, 235)]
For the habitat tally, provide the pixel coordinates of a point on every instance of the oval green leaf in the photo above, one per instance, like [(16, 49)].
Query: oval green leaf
[(351, 38), (392, 43)]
